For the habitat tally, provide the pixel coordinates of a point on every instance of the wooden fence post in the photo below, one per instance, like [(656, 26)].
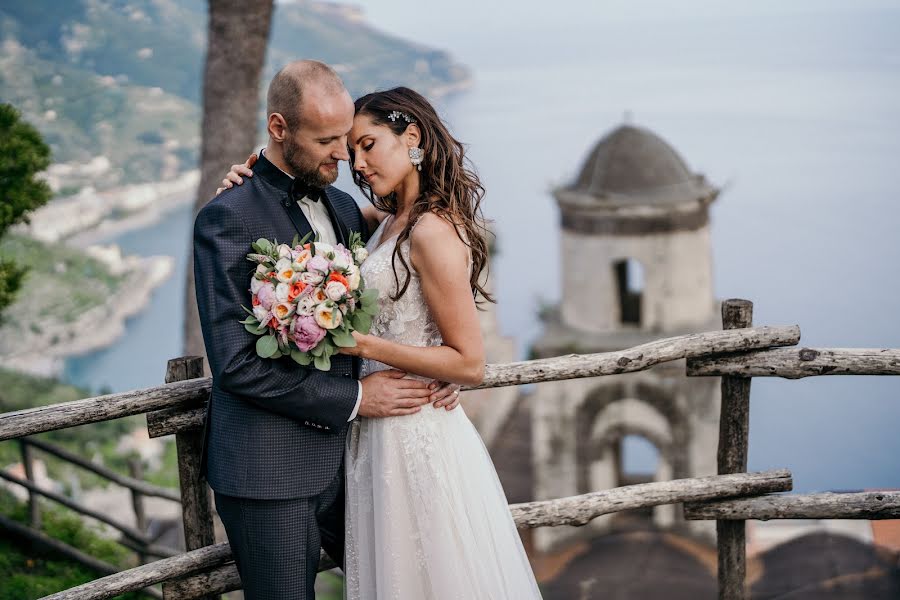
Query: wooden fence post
[(195, 497), (34, 510), (137, 501), (734, 426)]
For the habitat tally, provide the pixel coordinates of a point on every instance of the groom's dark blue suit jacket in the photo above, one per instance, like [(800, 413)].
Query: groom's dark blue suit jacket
[(274, 429)]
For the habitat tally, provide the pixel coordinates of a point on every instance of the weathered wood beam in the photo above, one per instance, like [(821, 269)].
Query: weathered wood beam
[(579, 510), (195, 495), (215, 576), (22, 423), (147, 575), (795, 363), (857, 505), (734, 429), (219, 580), (147, 489), (571, 366), (638, 358)]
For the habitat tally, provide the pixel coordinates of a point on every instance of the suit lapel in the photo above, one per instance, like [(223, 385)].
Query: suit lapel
[(340, 229), (297, 218)]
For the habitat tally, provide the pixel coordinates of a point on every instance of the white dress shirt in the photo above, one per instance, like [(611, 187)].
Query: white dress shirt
[(320, 221)]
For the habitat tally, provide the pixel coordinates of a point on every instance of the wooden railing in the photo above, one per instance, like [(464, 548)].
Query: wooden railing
[(134, 538), (735, 354)]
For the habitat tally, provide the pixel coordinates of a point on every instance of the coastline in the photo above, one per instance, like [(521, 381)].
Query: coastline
[(91, 216), (82, 222), (95, 329)]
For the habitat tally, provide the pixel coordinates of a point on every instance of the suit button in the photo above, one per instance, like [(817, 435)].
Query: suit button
[(306, 422), (346, 375)]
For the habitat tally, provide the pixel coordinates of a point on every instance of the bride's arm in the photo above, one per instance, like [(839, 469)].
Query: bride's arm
[(441, 259)]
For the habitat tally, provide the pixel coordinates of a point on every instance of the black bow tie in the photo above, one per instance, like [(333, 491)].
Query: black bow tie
[(300, 190)]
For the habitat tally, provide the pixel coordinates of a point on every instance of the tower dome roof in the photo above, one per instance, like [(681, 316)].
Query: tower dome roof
[(634, 166)]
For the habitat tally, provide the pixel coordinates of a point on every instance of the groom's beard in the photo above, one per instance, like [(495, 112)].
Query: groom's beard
[(305, 171)]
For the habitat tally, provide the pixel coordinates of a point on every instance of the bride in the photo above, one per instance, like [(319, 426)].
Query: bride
[(426, 516)]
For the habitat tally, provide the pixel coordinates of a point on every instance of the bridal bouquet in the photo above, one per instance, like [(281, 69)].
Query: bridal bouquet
[(307, 299)]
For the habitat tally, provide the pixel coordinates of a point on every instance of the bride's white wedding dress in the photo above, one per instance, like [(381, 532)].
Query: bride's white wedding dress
[(426, 517)]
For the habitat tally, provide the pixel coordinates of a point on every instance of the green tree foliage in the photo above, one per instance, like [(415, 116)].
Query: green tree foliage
[(26, 574), (23, 154)]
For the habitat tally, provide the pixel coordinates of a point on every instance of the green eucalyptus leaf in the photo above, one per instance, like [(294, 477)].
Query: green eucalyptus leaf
[(343, 339), (301, 358), (362, 321), (266, 346), (323, 363)]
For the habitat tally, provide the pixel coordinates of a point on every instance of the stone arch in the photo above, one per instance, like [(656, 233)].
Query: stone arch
[(663, 402)]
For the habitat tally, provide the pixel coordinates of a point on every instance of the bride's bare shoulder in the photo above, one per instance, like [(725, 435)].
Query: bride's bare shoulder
[(434, 235)]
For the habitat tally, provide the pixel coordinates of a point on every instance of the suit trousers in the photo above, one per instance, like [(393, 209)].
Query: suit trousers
[(276, 543)]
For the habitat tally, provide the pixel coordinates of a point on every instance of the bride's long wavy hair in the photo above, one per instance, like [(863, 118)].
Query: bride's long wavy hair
[(449, 187)]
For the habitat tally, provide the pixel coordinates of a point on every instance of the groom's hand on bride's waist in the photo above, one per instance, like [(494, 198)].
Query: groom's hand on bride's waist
[(388, 394)]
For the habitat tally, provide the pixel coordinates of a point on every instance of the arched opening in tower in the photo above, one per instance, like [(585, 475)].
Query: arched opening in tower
[(630, 283), (637, 460)]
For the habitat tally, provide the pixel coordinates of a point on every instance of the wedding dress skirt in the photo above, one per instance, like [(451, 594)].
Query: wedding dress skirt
[(426, 516)]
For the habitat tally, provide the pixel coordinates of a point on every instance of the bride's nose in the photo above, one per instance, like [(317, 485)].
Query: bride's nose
[(358, 164)]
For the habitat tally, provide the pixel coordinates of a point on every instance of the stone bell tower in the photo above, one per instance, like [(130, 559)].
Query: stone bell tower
[(636, 267)]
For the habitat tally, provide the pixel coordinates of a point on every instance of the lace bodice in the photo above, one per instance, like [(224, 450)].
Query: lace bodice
[(406, 320)]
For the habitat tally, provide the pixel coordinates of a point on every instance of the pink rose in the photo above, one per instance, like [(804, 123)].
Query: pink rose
[(307, 333), (266, 296), (318, 263)]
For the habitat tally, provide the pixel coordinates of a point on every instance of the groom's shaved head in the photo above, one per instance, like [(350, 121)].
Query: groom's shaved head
[(290, 83)]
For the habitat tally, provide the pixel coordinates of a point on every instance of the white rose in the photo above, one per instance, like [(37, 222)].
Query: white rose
[(340, 262), (282, 264), (353, 277), (306, 305), (328, 316), (283, 311), (312, 278), (255, 284), (335, 290), (360, 254), (319, 296), (284, 251), (261, 314), (324, 249), (300, 260), (281, 292), (288, 275)]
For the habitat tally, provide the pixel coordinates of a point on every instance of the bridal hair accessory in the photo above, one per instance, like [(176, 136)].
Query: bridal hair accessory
[(400, 115), (416, 155)]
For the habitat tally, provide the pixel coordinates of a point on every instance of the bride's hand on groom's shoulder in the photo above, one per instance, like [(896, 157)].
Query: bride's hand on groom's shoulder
[(234, 176)]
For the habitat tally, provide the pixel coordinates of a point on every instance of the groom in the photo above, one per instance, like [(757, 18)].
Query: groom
[(275, 433)]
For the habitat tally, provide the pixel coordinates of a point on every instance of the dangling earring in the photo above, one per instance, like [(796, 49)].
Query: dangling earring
[(416, 156)]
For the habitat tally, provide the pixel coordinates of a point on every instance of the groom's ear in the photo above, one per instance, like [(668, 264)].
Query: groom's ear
[(277, 127), (413, 135)]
